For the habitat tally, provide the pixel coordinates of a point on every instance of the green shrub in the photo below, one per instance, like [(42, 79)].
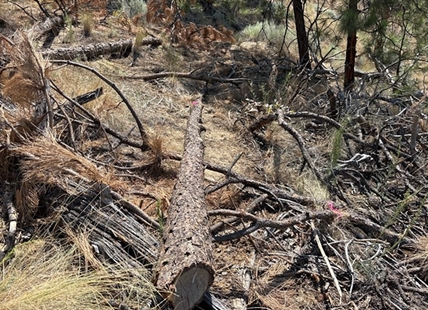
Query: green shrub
[(134, 7)]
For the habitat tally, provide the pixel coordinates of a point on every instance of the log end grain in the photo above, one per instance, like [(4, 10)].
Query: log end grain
[(190, 287)]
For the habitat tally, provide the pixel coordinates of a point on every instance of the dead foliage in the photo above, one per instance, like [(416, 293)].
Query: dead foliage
[(188, 34)]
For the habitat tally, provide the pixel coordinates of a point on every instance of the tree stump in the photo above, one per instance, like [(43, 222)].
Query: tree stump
[(184, 271)]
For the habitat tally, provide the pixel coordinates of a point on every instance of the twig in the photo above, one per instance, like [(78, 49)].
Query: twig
[(233, 163), (330, 269), (351, 269), (118, 91)]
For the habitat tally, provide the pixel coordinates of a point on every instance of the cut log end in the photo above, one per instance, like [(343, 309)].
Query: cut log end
[(190, 287)]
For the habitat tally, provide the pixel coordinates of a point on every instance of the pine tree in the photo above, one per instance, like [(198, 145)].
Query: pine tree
[(349, 23), (302, 37)]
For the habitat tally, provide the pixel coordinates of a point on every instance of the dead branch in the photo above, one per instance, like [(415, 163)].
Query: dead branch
[(275, 192), (114, 232), (327, 262), (378, 231), (183, 75), (234, 178), (89, 96), (98, 122), (251, 207), (261, 122), (259, 222), (327, 120), (302, 146), (70, 126), (42, 8), (116, 89), (12, 218), (24, 9), (184, 271), (135, 210)]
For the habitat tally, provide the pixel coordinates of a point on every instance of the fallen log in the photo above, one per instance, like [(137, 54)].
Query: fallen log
[(184, 270), (115, 233), (53, 24), (121, 48)]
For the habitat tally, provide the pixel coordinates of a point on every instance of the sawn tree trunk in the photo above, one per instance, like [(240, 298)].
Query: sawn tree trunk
[(184, 271)]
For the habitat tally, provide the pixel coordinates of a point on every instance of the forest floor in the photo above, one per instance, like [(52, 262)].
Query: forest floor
[(371, 256)]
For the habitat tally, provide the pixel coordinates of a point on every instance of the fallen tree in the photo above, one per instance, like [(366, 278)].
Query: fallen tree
[(184, 270), (121, 48)]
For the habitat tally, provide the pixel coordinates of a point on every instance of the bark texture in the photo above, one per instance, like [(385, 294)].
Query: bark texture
[(53, 24), (302, 38), (122, 48), (184, 271), (116, 235), (351, 50)]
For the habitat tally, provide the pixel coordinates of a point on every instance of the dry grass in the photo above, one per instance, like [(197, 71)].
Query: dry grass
[(46, 162), (41, 274), (23, 80), (278, 288)]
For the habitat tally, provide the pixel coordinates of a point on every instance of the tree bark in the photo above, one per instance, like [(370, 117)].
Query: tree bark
[(122, 48), (53, 24), (184, 271), (302, 38), (116, 235), (351, 49)]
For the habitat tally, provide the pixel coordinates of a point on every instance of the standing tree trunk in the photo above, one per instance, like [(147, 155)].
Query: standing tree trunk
[(351, 47), (302, 38), (184, 271)]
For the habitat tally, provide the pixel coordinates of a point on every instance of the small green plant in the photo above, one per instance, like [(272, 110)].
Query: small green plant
[(336, 150), (69, 36), (407, 199), (160, 215), (171, 58), (136, 47)]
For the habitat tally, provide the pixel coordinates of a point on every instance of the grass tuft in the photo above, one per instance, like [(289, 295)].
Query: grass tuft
[(41, 275), (88, 24)]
